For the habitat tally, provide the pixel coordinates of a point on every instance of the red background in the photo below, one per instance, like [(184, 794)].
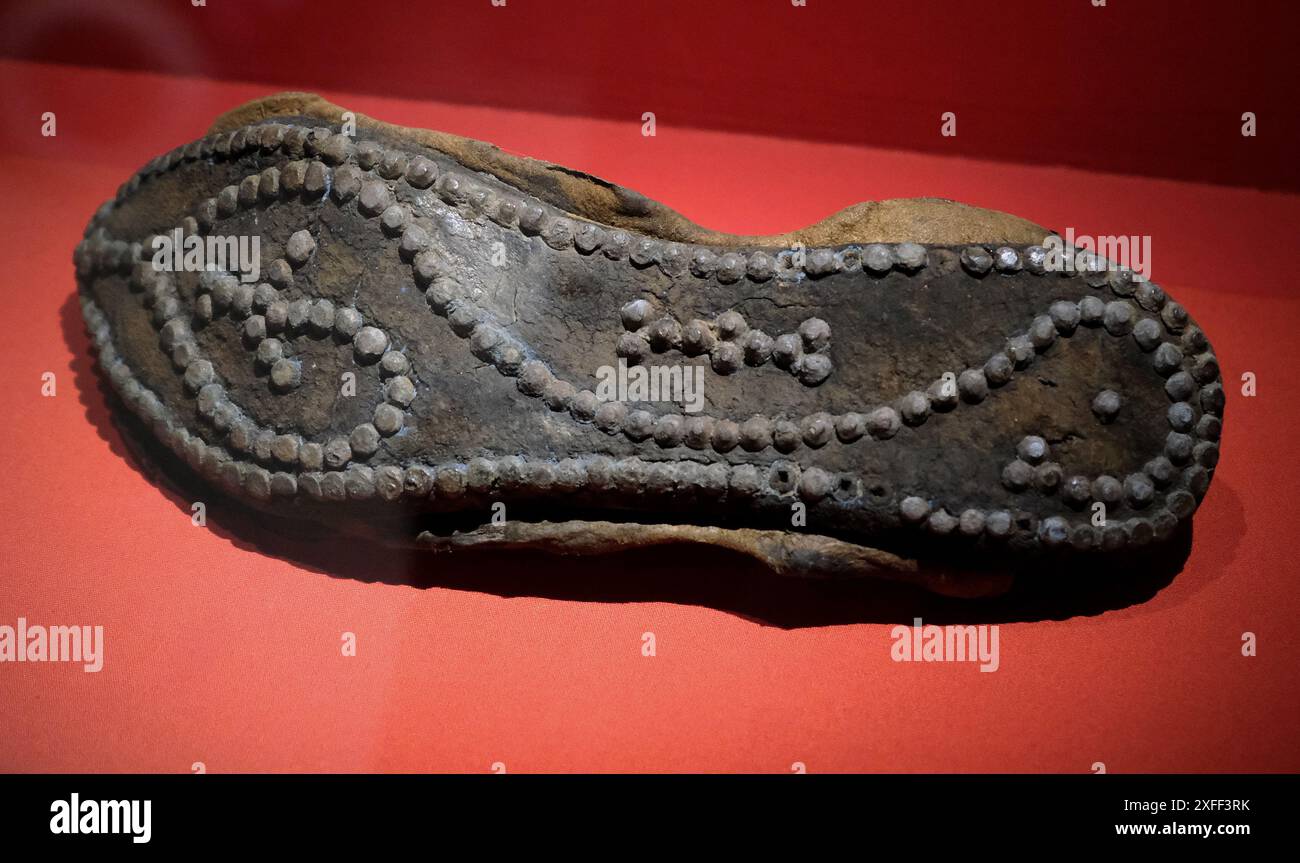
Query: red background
[(1153, 87), (223, 642)]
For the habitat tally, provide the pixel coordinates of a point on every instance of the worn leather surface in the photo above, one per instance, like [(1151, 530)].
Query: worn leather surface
[(891, 333)]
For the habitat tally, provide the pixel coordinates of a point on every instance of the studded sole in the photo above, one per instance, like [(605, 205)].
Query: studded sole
[(927, 398)]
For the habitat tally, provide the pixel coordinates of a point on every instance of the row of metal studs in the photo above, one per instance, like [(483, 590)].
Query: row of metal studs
[(1166, 321)]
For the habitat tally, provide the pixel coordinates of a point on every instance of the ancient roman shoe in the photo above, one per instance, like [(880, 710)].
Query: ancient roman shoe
[(418, 330)]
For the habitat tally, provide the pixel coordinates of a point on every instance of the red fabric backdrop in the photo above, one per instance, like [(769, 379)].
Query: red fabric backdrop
[(1155, 87), (227, 651)]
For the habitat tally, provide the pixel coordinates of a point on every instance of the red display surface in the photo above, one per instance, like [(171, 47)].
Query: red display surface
[(227, 651)]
